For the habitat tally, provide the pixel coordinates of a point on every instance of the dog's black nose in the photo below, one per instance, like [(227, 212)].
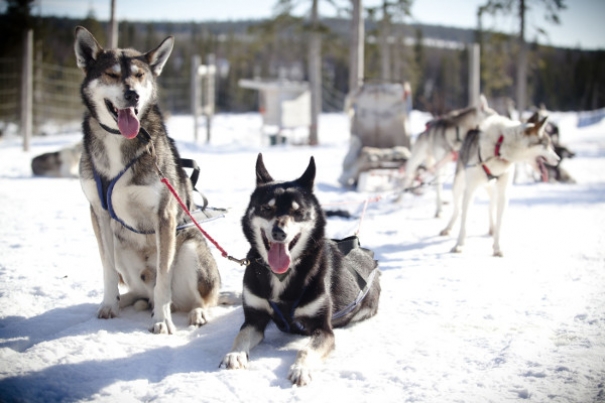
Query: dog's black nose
[(131, 96), (278, 234)]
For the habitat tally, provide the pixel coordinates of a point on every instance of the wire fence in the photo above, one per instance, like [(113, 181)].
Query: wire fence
[(9, 92), (57, 104)]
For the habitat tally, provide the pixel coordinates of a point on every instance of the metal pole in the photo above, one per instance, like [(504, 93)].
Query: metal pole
[(195, 93), (27, 88)]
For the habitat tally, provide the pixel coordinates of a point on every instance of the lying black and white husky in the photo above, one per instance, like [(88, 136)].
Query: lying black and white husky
[(305, 283)]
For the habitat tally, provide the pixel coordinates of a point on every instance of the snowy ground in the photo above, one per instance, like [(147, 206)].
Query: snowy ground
[(451, 327)]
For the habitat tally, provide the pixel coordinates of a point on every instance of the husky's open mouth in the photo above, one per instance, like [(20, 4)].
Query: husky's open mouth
[(279, 253), (541, 167), (127, 120)]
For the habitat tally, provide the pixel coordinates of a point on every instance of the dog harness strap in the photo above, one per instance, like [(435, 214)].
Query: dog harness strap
[(195, 175), (105, 190), (498, 145), (290, 320), (488, 173), (362, 294)]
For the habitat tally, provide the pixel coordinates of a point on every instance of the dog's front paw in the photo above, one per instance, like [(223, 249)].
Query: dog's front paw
[(197, 317), (299, 375), (235, 360), (164, 327), (445, 232), (498, 253), (108, 311), (456, 249)]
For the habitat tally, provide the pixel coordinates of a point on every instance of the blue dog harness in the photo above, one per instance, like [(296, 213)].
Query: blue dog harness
[(105, 190), (291, 325), (105, 187)]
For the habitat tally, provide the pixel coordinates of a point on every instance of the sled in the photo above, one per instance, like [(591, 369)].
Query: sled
[(380, 137)]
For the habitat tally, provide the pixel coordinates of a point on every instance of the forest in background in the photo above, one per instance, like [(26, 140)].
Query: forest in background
[(433, 59)]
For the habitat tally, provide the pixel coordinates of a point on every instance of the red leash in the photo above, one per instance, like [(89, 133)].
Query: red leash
[(243, 262), (165, 181)]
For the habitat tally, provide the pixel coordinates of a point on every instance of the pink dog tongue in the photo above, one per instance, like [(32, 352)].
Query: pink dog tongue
[(128, 123), (543, 170), (279, 258)]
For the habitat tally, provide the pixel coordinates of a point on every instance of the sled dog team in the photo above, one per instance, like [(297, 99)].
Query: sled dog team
[(298, 278)]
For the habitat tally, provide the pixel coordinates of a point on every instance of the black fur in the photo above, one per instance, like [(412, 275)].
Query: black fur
[(321, 269)]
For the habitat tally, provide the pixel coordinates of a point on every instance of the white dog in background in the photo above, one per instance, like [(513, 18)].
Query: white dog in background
[(487, 158)]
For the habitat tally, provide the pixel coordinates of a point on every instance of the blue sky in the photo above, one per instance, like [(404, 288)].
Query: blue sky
[(582, 23)]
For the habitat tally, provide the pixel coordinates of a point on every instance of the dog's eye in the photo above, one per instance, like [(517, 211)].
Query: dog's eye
[(139, 75), (267, 209), (112, 75), (299, 214)]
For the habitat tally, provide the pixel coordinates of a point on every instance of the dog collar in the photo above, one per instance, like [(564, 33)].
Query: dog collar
[(143, 135)]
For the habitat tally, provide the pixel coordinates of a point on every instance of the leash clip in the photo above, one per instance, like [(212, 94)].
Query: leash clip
[(242, 262)]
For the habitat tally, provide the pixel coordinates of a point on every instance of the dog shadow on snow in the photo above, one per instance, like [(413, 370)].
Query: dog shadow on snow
[(19, 333), (79, 381)]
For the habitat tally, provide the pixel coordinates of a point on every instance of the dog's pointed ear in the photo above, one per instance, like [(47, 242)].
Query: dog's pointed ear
[(86, 47), (537, 129), (534, 118), (483, 105), (158, 57), (262, 175), (308, 178)]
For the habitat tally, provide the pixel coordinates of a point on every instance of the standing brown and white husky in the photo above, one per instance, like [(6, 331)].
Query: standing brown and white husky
[(134, 216), (440, 143), (487, 158)]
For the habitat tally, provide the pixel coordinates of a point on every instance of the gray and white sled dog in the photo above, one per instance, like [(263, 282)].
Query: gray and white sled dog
[(440, 143), (297, 278), (487, 158), (63, 163), (134, 216)]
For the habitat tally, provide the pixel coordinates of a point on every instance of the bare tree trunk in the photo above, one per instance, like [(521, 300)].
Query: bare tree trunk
[(385, 51), (314, 74), (356, 71), (522, 63)]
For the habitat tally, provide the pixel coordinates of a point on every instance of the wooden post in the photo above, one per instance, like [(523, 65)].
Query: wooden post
[(521, 63), (210, 89), (385, 47), (27, 88), (195, 93), (314, 75), (473, 74), (112, 38), (356, 71)]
